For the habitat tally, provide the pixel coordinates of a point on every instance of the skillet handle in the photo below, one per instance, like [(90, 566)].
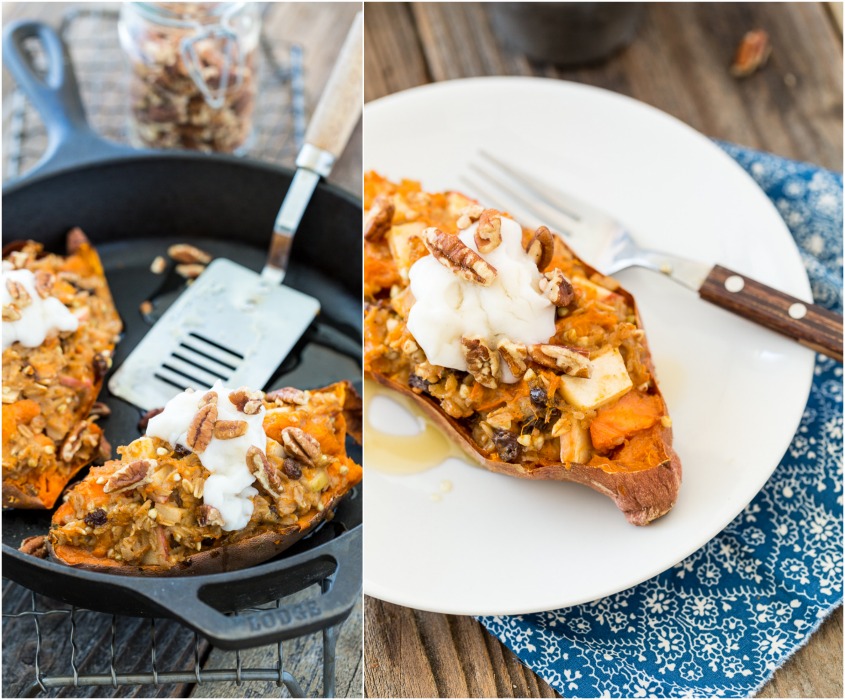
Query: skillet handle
[(56, 96), (184, 598)]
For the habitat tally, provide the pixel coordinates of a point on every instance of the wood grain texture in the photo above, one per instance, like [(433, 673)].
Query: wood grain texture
[(320, 29), (819, 329), (678, 63)]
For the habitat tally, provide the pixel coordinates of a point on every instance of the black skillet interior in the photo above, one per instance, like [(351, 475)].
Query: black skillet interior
[(132, 209)]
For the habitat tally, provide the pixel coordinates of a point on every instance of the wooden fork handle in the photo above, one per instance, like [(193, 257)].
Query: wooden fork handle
[(809, 324)]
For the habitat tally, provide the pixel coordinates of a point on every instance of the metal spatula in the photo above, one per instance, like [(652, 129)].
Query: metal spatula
[(232, 323)]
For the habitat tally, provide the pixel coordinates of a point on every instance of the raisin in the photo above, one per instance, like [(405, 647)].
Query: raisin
[(506, 445), (101, 366), (291, 469), (539, 397), (417, 382), (96, 518), (181, 451)]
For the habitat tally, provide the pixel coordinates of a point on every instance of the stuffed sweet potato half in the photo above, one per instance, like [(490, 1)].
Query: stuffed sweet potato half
[(527, 357), (221, 480), (60, 327)]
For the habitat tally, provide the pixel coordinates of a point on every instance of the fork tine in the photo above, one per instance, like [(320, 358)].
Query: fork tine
[(539, 211)]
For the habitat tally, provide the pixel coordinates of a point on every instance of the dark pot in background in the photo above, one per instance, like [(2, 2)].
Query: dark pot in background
[(565, 33)]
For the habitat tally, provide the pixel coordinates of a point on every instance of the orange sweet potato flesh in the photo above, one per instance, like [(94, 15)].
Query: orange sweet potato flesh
[(634, 412)]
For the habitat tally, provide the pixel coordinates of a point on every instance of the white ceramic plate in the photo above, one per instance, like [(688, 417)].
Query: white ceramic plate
[(736, 392)]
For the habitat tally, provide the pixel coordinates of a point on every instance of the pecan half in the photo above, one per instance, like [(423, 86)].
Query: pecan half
[(73, 441), (100, 410), (201, 429), (514, 356), (18, 293), (752, 53), (209, 516), (541, 247), (288, 394), (572, 361), (300, 445), (131, 476), (44, 283), (451, 252), (380, 218), (247, 401), (468, 214), (184, 253), (230, 429), (10, 313), (559, 289), (482, 362), (265, 472), (209, 398), (488, 235), (189, 271), (35, 546)]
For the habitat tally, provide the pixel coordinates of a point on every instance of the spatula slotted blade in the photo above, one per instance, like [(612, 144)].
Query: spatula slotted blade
[(230, 324)]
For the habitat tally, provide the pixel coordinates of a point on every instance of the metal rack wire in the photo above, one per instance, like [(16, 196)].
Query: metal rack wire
[(102, 73), (280, 121)]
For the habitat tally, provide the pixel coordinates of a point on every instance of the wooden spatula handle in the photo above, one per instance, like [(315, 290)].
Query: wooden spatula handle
[(343, 98), (809, 324)]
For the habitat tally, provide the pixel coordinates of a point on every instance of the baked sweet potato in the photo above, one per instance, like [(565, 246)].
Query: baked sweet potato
[(583, 406), (145, 513), (49, 389)]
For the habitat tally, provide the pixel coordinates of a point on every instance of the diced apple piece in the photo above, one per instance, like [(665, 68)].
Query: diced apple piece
[(575, 444), (406, 245), (608, 382), (591, 289)]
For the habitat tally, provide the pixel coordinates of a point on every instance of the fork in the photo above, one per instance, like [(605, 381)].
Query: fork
[(608, 245)]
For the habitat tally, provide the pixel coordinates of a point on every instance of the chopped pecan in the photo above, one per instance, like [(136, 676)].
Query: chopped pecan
[(291, 469), (100, 410), (44, 283), (541, 247), (514, 356), (158, 265), (73, 442), (482, 362), (300, 445), (380, 218), (451, 252), (488, 234), (468, 214), (209, 516), (189, 270), (144, 421), (201, 429), (572, 361), (288, 394), (102, 364), (265, 472), (35, 546), (559, 289), (752, 53), (246, 401), (10, 313), (230, 429), (76, 238), (19, 295), (131, 476), (209, 398), (184, 253)]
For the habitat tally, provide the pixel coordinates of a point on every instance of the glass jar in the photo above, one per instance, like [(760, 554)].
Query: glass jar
[(193, 81)]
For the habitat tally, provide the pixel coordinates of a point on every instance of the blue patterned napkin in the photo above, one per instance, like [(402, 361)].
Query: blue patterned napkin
[(720, 622)]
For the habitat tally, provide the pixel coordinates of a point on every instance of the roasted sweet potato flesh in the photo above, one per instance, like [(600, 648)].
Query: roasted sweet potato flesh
[(533, 428), (48, 391), (159, 527)]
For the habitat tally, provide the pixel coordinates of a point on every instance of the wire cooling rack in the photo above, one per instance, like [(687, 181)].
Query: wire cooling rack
[(53, 644), (103, 75)]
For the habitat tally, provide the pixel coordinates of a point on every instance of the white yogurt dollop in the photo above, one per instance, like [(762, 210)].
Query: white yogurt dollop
[(229, 488), (447, 307), (39, 318)]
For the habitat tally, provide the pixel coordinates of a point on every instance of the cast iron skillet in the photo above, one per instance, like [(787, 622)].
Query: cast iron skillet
[(133, 205)]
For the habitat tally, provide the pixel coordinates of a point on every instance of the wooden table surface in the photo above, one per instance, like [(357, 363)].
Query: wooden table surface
[(319, 29), (678, 63)]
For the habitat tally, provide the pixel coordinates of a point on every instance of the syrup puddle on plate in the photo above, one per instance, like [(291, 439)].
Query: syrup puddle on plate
[(398, 439)]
